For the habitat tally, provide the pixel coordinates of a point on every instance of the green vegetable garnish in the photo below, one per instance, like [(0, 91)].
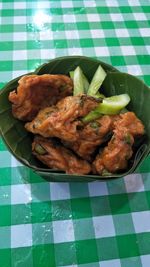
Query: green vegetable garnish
[(110, 105), (97, 81), (84, 80), (127, 139), (95, 124), (98, 95), (40, 150)]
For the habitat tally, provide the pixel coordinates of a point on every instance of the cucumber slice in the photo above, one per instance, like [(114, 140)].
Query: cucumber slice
[(98, 95), (110, 105), (85, 80), (113, 104), (97, 81), (78, 82)]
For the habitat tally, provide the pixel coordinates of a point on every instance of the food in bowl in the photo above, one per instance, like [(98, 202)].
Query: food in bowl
[(77, 129)]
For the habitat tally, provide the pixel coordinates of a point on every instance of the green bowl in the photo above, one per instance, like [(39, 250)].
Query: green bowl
[(18, 140)]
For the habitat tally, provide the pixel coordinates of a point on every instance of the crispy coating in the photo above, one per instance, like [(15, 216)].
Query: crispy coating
[(116, 154), (63, 121), (130, 121), (55, 156), (36, 92), (92, 135)]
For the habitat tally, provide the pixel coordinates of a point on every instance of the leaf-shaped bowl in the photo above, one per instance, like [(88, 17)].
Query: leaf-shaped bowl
[(18, 140)]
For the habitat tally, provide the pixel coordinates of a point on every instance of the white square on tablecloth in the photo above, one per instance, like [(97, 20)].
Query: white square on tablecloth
[(66, 4), (122, 32), (19, 55), (128, 50), (116, 17), (74, 34), (141, 221), (59, 191), (92, 18), (134, 183), (145, 32), (110, 263), (98, 189), (112, 3), (139, 16), (69, 18), (20, 194), (21, 235), (97, 33), (103, 226), (21, 5), (20, 19), (145, 260), (102, 51), (134, 2), (63, 231)]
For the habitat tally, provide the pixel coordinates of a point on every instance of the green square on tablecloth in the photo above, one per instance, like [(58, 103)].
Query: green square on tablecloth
[(78, 190), (135, 201), (123, 224), (61, 210), (5, 176), (83, 229), (65, 254), (119, 203), (22, 256), (43, 255), (86, 42), (5, 257), (42, 233), (143, 241), (100, 205), (86, 251), (41, 212), (5, 215), (5, 241), (83, 25), (107, 248), (5, 195), (20, 214), (132, 261), (127, 245), (81, 208), (40, 192)]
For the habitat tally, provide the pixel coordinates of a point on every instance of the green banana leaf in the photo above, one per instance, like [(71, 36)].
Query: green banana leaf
[(18, 140)]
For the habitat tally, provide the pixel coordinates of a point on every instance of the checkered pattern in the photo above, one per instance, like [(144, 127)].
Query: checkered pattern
[(73, 224)]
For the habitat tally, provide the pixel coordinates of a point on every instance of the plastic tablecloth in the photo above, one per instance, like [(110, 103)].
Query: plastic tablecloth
[(45, 224)]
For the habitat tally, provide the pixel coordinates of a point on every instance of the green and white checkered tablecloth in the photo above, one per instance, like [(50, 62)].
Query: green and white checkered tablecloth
[(95, 224)]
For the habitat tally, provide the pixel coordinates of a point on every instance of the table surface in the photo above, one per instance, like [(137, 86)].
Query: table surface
[(95, 224)]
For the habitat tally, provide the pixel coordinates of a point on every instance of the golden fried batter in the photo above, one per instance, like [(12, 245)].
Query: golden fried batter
[(35, 92), (131, 122), (92, 135), (62, 122), (55, 156), (117, 153)]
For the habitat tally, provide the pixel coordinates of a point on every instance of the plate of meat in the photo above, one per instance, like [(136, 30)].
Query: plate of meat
[(77, 119)]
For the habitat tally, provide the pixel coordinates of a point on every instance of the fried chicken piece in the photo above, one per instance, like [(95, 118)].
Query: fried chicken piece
[(55, 156), (35, 92), (63, 121), (119, 150), (92, 135)]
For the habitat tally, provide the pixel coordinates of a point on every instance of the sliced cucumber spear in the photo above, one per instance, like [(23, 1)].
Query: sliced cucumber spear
[(84, 79), (97, 81), (110, 105)]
